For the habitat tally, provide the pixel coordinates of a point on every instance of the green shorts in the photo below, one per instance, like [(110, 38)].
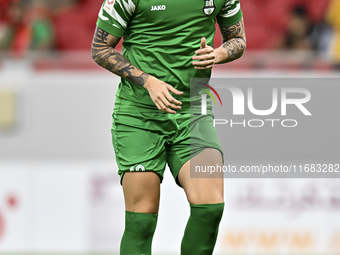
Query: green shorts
[(147, 141)]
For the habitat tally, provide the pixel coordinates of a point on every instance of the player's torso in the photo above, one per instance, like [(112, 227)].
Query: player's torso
[(166, 20), (161, 38), (178, 11)]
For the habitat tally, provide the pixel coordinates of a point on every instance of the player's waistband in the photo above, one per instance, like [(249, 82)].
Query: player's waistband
[(126, 106)]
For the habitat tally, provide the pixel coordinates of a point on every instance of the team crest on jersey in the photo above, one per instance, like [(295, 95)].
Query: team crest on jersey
[(209, 7), (109, 5)]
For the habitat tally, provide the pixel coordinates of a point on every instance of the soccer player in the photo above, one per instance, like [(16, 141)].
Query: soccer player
[(165, 43)]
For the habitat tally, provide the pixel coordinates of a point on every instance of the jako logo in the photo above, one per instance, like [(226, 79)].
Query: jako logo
[(158, 7), (204, 97)]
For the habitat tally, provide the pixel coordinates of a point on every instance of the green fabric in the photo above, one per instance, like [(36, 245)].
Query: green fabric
[(202, 228), (161, 41), (138, 234), (147, 141)]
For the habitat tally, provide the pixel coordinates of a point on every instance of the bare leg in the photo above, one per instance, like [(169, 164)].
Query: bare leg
[(203, 190), (141, 193), (206, 201)]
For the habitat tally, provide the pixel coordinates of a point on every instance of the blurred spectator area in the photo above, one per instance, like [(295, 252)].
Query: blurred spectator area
[(75, 25), (267, 25), (266, 22)]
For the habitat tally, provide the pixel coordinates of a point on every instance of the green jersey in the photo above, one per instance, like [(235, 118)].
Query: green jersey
[(160, 37)]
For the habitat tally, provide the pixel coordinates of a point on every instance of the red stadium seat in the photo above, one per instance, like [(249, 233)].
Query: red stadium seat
[(73, 31), (258, 37), (277, 14), (75, 27), (317, 9)]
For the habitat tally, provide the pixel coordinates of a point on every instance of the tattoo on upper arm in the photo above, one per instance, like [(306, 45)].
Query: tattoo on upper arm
[(234, 31), (234, 40), (104, 54)]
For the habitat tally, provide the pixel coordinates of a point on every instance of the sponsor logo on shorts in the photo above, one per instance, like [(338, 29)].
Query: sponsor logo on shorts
[(138, 168)]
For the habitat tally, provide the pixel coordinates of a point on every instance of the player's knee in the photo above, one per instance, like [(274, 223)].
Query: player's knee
[(138, 234), (216, 197), (142, 223), (149, 226), (206, 198), (142, 206), (217, 212), (209, 212)]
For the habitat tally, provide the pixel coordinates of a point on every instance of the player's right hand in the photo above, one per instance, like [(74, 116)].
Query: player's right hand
[(160, 94)]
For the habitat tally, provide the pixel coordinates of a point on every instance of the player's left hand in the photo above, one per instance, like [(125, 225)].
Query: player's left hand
[(205, 56)]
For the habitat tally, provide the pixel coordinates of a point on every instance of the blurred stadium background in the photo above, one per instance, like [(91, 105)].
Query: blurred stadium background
[(59, 191)]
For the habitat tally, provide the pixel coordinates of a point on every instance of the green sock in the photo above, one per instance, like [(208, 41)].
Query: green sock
[(138, 234), (201, 231)]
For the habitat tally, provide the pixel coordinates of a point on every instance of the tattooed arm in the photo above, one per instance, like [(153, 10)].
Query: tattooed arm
[(104, 54), (234, 43)]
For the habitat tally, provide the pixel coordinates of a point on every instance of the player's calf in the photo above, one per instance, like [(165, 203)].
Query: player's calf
[(138, 234), (202, 228)]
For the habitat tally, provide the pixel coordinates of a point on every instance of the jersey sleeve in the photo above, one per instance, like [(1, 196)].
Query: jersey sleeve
[(114, 16), (230, 13)]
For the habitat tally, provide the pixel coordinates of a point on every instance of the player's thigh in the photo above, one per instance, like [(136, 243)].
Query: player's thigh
[(204, 189), (197, 145), (141, 191), (140, 155), (138, 147)]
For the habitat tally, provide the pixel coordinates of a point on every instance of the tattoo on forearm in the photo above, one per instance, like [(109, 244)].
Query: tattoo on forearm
[(141, 79), (126, 69), (234, 40), (104, 54)]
